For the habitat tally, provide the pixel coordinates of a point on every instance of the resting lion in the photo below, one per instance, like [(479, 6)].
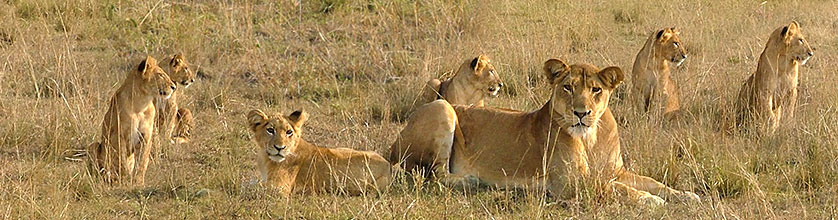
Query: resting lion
[(474, 82), (770, 94), (651, 79), (123, 153), (173, 122), (574, 135), (291, 164)]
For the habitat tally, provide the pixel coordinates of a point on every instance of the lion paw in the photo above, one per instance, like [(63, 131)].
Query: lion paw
[(650, 200)]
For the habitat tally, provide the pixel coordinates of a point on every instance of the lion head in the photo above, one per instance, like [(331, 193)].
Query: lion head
[(278, 135), (791, 42), (156, 80), (482, 75), (668, 46), (580, 95), (179, 70)]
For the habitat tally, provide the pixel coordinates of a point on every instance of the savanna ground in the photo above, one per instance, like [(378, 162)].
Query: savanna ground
[(358, 66)]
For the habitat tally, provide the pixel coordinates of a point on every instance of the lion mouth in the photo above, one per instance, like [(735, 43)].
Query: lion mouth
[(803, 60), (165, 94)]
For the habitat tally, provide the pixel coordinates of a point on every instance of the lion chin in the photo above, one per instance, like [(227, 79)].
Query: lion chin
[(580, 130), (276, 158)]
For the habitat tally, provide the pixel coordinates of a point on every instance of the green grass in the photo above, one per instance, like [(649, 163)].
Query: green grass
[(358, 66)]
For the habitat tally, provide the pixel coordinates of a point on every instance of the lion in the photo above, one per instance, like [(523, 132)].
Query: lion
[(770, 94), (651, 79), (173, 122), (124, 150), (292, 165), (474, 81), (571, 137)]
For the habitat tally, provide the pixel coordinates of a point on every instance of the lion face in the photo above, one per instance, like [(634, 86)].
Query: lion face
[(179, 70), (795, 45), (484, 76), (157, 80), (277, 136), (581, 94), (669, 46)]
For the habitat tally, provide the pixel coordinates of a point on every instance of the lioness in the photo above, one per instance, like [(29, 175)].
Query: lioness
[(651, 77), (474, 82), (770, 94), (124, 150), (173, 122), (291, 164), (574, 135)]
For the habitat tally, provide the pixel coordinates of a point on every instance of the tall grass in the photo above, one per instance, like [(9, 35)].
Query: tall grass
[(357, 67)]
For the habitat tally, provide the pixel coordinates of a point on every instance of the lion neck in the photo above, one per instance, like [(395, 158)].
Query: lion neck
[(460, 91), (655, 62), (135, 89), (775, 62)]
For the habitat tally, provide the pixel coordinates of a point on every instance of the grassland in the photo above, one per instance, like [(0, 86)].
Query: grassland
[(357, 67)]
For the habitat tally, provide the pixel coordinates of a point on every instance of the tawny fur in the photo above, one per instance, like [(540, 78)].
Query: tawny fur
[(293, 165), (770, 94), (474, 81), (652, 86), (573, 136), (124, 150)]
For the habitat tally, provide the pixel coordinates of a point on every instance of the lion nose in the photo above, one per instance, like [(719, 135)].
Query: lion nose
[(173, 87), (811, 53), (279, 148), (500, 84), (684, 56), (582, 114)]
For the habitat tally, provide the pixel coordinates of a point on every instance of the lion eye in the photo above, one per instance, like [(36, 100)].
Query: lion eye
[(270, 131), (801, 41), (676, 44), (289, 133), (596, 89), (567, 88)]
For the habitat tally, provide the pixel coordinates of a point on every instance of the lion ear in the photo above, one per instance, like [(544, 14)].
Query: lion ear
[(790, 30), (145, 67), (479, 62), (555, 69), (664, 35), (611, 77), (256, 118), (177, 59), (675, 30), (298, 118)]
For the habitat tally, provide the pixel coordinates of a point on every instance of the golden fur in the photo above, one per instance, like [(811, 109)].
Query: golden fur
[(291, 164), (475, 80), (123, 153), (173, 122), (574, 135), (770, 94), (652, 83)]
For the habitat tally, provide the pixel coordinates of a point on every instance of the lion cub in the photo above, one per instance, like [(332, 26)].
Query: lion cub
[(124, 150), (475, 81), (288, 162), (652, 82), (174, 122), (770, 94)]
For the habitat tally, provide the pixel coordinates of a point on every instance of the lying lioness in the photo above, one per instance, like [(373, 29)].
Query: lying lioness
[(573, 136), (288, 162)]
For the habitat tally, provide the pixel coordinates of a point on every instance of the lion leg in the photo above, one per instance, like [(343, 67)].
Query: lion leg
[(185, 123), (654, 187), (673, 104), (141, 157)]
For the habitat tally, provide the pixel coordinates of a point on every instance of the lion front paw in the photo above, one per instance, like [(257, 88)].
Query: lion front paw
[(687, 196), (650, 200)]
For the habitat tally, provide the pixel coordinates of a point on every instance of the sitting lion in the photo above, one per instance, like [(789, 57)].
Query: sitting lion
[(770, 94), (291, 164), (173, 122), (574, 135), (652, 82), (475, 81), (124, 150)]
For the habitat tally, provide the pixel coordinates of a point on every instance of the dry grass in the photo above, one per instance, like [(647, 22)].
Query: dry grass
[(357, 66)]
